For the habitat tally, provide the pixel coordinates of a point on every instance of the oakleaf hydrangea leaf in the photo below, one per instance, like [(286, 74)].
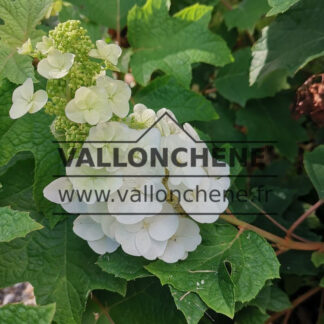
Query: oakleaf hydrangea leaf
[(271, 298), (61, 268), (280, 6), (146, 302), (290, 42), (19, 313), (20, 20), (15, 224), (251, 315), (227, 267), (32, 133), (109, 13), (232, 81), (192, 307), (246, 14), (17, 183), (172, 44), (270, 120), (123, 266), (185, 104), (318, 259), (314, 166)]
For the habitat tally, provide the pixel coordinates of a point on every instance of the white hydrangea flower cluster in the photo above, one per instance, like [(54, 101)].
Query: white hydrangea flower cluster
[(152, 228), (157, 229), (91, 104)]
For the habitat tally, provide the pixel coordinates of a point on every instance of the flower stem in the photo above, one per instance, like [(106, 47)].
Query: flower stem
[(303, 217), (281, 243), (295, 303)]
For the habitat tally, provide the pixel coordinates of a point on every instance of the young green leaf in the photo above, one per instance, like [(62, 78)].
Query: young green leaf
[(246, 14), (318, 259), (20, 20), (172, 44), (313, 162), (280, 6), (15, 224), (19, 313), (192, 307)]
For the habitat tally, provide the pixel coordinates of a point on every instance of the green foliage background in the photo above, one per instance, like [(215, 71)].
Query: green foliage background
[(232, 69)]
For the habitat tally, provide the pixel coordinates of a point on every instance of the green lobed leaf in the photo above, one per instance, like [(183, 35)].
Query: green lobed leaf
[(180, 4), (313, 162), (225, 268), (71, 12), (61, 268), (32, 133), (123, 266), (224, 128), (318, 259), (246, 14), (232, 81), (280, 6), (107, 13), (6, 90), (20, 20), (192, 307), (146, 302), (17, 183), (271, 298), (185, 104), (15, 224), (19, 313), (270, 120), (172, 44), (251, 315), (297, 263), (290, 42)]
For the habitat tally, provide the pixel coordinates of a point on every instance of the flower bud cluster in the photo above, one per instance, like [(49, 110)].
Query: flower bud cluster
[(70, 37)]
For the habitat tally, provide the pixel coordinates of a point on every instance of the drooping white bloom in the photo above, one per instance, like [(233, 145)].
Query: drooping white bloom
[(60, 191), (185, 173), (45, 45), (149, 237), (25, 48), (25, 100), (93, 182), (107, 52), (56, 65), (167, 122), (88, 229), (89, 106), (185, 240), (139, 182), (143, 116), (207, 201), (118, 94), (103, 135)]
